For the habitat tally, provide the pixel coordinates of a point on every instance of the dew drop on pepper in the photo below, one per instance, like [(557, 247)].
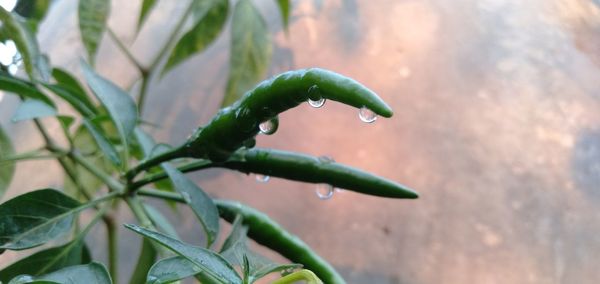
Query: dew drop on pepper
[(269, 127), (325, 191), (367, 115)]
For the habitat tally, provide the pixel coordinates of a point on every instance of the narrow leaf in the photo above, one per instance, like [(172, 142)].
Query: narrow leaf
[(7, 168), (284, 10), (30, 109), (250, 51), (236, 251), (26, 43), (198, 200), (23, 88), (93, 15), (147, 6), (93, 273), (46, 261), (213, 264), (172, 269), (205, 31), (120, 105), (105, 146), (67, 80), (34, 218)]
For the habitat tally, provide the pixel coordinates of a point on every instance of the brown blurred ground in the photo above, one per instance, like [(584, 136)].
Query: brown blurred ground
[(497, 125)]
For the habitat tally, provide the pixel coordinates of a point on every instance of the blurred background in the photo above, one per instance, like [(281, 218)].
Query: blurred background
[(497, 125)]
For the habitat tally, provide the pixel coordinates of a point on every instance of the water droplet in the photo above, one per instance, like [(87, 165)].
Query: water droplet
[(316, 104), (314, 97), (262, 178), (152, 279), (186, 197), (339, 190), (270, 126), (367, 115), (324, 191)]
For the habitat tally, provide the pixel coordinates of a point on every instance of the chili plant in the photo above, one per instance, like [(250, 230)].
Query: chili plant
[(107, 147)]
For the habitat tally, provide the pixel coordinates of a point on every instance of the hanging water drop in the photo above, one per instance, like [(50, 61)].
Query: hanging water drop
[(262, 178), (316, 104), (325, 191), (367, 115), (186, 197), (270, 126), (314, 97)]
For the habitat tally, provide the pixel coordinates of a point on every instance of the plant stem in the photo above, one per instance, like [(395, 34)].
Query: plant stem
[(174, 153), (138, 211), (193, 166), (113, 246), (172, 37), (147, 74), (165, 195), (143, 91), (126, 51)]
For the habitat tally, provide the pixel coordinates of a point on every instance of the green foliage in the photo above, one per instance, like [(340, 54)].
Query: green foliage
[(93, 15), (251, 49), (109, 159)]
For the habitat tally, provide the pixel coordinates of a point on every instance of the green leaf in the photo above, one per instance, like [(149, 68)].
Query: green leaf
[(250, 51), (66, 80), (46, 261), (172, 269), (93, 273), (30, 109), (237, 235), (205, 31), (23, 88), (198, 200), (72, 98), (284, 10), (26, 44), (120, 105), (147, 6), (7, 168), (34, 218), (105, 146), (93, 15), (145, 260), (213, 264), (236, 251)]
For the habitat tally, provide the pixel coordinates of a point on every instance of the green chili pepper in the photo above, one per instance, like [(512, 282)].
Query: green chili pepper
[(268, 233), (238, 124), (306, 168)]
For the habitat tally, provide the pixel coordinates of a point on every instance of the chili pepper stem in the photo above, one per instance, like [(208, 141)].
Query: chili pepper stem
[(174, 153)]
